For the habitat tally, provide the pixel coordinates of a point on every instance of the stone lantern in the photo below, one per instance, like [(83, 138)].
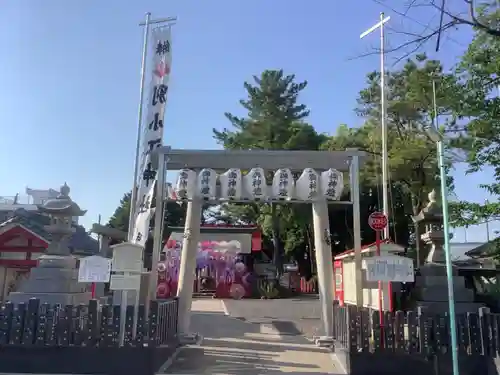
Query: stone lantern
[(431, 216), (431, 284), (55, 279)]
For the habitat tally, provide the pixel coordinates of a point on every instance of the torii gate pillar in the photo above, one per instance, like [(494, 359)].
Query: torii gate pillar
[(324, 264), (348, 160), (188, 265)]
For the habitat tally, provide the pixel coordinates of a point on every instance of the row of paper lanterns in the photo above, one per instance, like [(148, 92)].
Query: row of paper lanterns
[(310, 186)]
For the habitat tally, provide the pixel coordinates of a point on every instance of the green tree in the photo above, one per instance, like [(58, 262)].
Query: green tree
[(120, 218), (274, 121), (412, 155), (174, 216), (478, 117)]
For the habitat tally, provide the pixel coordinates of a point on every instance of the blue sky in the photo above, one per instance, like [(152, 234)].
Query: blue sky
[(69, 80)]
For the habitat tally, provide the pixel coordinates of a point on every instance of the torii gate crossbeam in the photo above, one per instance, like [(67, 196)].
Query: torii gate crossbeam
[(175, 159)]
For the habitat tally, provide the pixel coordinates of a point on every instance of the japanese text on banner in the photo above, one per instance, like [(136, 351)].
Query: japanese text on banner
[(144, 213), (153, 127)]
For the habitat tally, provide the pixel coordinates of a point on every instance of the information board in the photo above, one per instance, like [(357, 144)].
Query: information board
[(125, 282), (127, 258), (94, 269), (390, 268)]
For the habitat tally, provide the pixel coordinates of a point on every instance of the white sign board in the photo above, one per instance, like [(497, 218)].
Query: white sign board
[(125, 282), (94, 269), (389, 268), (127, 258)]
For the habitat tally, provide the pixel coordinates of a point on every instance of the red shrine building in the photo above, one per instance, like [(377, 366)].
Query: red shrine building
[(23, 239)]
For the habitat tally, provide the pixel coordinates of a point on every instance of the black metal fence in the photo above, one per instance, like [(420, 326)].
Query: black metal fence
[(414, 342), (83, 337)]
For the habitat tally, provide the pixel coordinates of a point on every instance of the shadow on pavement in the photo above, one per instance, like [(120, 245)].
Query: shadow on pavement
[(232, 346), (297, 316)]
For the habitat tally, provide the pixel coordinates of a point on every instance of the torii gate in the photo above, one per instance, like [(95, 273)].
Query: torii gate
[(247, 160)]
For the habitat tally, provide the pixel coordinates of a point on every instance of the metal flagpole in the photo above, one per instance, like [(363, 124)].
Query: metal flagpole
[(487, 220), (133, 197), (498, 86), (437, 137), (383, 124)]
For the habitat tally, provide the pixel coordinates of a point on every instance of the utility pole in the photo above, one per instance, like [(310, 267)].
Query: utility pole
[(383, 123)]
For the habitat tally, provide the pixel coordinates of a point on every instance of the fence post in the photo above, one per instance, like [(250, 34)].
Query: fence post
[(17, 327), (484, 326), (42, 323), (91, 337), (6, 322), (30, 322), (153, 323)]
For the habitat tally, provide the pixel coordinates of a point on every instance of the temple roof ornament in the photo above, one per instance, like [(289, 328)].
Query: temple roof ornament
[(62, 205)]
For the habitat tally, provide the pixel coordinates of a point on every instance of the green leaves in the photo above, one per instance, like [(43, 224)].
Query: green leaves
[(120, 217), (478, 114), (275, 121)]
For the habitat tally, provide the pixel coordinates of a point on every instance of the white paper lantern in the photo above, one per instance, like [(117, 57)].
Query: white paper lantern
[(231, 184), (283, 184), (255, 184), (332, 184), (307, 186), (186, 184), (207, 181)]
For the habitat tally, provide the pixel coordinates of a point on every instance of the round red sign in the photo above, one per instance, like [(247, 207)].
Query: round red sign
[(377, 221)]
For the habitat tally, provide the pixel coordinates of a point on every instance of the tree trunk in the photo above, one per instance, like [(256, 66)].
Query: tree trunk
[(310, 243), (277, 256), (417, 243)]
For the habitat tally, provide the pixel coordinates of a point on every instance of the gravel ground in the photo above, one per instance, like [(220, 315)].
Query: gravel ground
[(292, 316)]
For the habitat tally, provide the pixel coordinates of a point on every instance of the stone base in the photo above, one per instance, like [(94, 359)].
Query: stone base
[(54, 281), (432, 291), (442, 307), (324, 341), (190, 339)]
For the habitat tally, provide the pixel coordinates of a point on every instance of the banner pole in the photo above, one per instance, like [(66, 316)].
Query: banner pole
[(133, 197)]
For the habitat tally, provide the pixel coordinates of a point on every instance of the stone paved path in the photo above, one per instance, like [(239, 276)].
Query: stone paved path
[(234, 347)]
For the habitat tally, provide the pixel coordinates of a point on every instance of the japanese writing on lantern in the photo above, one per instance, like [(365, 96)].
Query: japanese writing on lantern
[(231, 183), (331, 188), (182, 184), (159, 94), (257, 183), (162, 47), (313, 184), (205, 182), (149, 174), (283, 184), (327, 237)]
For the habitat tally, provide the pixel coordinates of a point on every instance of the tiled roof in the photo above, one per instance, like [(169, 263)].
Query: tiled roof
[(35, 222)]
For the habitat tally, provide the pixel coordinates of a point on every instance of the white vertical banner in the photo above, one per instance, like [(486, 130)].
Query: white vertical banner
[(153, 129), (143, 217)]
